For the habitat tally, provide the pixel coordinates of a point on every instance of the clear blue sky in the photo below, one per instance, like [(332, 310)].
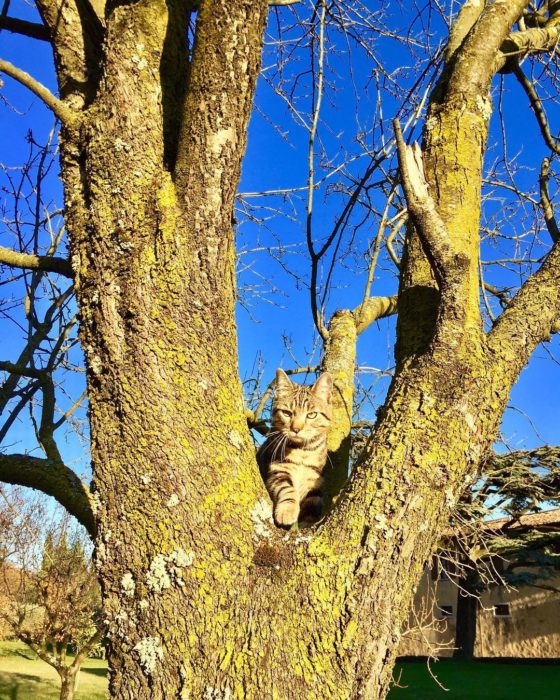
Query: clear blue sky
[(277, 159)]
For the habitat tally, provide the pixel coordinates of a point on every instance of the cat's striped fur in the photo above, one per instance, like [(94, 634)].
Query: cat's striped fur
[(293, 457)]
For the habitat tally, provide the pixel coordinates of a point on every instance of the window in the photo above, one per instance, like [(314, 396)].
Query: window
[(443, 612), (502, 610)]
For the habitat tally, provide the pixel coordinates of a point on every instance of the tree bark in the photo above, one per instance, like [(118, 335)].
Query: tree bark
[(67, 683), (467, 610)]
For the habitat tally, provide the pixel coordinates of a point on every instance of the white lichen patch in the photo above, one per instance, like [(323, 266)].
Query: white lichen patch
[(166, 570), (145, 479), (100, 552), (121, 145), (261, 515), (484, 106), (303, 537), (95, 503), (139, 61), (430, 123), (96, 365), (143, 605), (127, 584), (235, 438), (381, 524), (219, 139), (122, 619), (381, 521), (181, 558), (450, 498), (158, 577), (149, 652), (173, 501)]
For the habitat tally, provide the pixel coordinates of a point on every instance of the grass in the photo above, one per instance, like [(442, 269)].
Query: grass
[(476, 681), (23, 676)]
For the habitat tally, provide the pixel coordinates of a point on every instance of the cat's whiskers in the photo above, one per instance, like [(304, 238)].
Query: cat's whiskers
[(278, 441)]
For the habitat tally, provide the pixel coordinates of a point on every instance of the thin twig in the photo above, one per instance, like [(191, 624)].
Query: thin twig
[(65, 114)]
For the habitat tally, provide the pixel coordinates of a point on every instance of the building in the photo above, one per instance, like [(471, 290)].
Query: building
[(520, 620)]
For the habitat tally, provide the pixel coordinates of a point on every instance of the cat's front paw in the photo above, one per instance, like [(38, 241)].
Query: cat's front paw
[(286, 514)]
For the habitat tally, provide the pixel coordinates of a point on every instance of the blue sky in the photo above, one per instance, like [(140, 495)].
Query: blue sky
[(277, 159)]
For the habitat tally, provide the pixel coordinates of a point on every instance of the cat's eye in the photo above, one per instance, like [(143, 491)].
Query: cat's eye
[(284, 412), (312, 415)]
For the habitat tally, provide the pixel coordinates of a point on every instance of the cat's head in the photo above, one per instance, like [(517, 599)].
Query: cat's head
[(301, 413)]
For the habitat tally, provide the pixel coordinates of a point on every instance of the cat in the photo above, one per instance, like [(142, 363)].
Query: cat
[(292, 458)]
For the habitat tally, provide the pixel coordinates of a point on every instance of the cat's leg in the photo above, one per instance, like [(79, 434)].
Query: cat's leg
[(284, 497), (311, 508)]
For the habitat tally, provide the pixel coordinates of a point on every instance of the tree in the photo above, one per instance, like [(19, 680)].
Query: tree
[(202, 597), (51, 594)]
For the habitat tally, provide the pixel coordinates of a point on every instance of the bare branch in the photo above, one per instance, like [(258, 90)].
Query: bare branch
[(422, 209), (480, 47), (76, 29), (373, 309), (27, 261), (317, 313), (527, 321), (537, 107), (52, 478), (260, 426), (546, 204), (466, 18), (88, 646), (21, 26), (519, 44), (65, 114)]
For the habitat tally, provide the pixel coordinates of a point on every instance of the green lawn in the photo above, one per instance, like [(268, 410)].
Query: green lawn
[(476, 681), (25, 677)]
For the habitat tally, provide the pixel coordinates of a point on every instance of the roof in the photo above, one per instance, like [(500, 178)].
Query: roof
[(545, 519)]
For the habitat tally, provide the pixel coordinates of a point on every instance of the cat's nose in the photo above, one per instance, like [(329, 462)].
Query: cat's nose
[(297, 425)]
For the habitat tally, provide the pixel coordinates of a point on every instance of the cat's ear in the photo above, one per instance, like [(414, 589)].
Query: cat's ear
[(283, 382), (323, 387)]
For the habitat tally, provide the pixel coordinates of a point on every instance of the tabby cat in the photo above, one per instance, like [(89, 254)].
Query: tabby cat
[(293, 457)]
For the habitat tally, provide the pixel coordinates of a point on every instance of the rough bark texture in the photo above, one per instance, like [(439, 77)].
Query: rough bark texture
[(202, 598), (340, 361), (67, 685)]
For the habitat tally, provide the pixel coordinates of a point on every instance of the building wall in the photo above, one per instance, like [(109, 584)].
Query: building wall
[(532, 629), (425, 634)]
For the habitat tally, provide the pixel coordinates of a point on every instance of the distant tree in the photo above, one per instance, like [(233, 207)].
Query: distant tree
[(52, 596)]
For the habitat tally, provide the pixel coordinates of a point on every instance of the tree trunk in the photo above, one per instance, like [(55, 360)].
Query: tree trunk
[(467, 610), (68, 683)]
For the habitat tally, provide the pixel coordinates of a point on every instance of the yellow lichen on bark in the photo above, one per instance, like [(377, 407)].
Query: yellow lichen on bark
[(340, 361)]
